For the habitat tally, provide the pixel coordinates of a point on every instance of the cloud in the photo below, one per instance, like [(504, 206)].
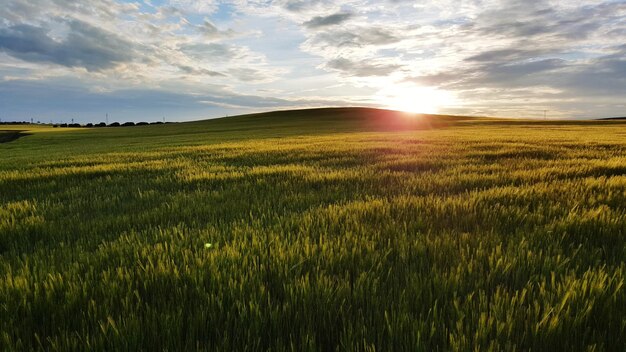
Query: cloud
[(194, 6), (508, 54), (325, 21), (525, 73), (211, 31), (249, 74), (540, 19), (436, 79), (234, 61), (301, 5), (604, 76), (329, 43), (211, 51), (200, 71), (361, 69), (85, 46)]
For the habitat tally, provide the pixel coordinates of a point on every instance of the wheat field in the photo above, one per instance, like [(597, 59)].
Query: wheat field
[(323, 230)]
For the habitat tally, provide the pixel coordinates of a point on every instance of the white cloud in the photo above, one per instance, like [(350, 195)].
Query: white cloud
[(195, 6)]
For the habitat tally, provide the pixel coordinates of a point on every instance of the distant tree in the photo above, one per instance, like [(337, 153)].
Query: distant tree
[(141, 124), (126, 124), (101, 124), (114, 124), (89, 125)]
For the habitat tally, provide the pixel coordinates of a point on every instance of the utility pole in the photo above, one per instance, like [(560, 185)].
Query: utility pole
[(107, 118)]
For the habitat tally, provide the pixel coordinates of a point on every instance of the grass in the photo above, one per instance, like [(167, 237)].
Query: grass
[(328, 229)]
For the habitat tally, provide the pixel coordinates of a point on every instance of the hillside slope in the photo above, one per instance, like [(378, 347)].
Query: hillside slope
[(45, 141)]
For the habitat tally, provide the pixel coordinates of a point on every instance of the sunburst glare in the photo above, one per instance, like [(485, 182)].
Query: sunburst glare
[(414, 99)]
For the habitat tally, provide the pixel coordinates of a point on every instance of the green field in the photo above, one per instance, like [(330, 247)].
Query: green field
[(321, 230)]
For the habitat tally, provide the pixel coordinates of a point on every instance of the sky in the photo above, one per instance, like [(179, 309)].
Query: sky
[(186, 60)]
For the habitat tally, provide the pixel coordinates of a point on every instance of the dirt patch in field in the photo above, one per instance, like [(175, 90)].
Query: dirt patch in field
[(9, 136)]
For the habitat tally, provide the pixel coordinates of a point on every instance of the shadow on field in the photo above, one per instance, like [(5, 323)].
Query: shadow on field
[(10, 136)]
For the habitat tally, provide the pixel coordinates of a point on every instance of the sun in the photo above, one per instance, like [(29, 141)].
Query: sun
[(426, 100)]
